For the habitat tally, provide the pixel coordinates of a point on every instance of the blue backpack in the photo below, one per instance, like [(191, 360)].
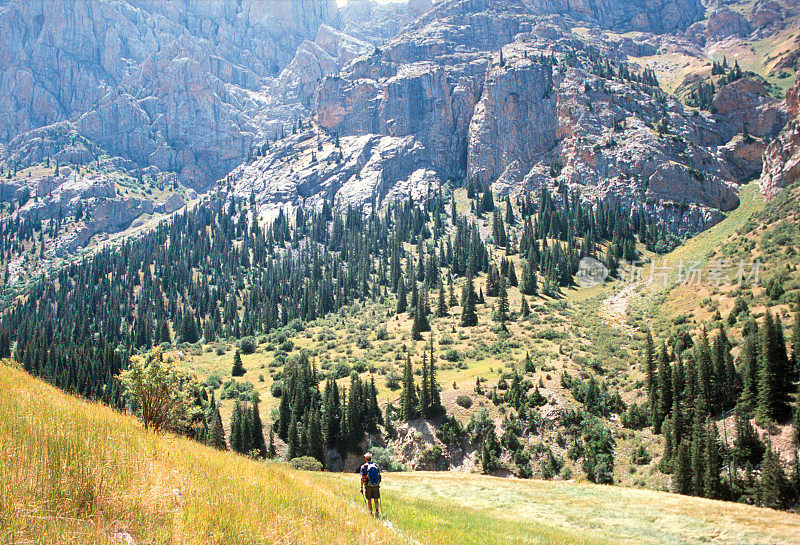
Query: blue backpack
[(373, 474)]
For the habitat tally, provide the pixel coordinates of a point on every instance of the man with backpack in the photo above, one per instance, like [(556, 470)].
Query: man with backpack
[(371, 484)]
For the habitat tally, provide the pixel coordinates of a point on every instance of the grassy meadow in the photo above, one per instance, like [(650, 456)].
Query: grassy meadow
[(78, 472)]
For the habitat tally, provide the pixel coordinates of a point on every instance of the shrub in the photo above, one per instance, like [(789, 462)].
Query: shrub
[(464, 401), (306, 463), (381, 334), (393, 380), (248, 345), (640, 456), (341, 370), (213, 381), (451, 355), (277, 388)]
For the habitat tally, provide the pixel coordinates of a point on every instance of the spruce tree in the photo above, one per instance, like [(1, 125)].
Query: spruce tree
[(796, 345), (711, 479), (257, 442), (468, 316), (216, 435), (420, 323), (316, 442), (408, 396), (773, 490), (502, 305), (749, 365), (436, 401), (236, 427), (424, 393), (238, 369), (649, 367), (771, 404), (402, 301), (441, 308), (682, 477), (524, 310)]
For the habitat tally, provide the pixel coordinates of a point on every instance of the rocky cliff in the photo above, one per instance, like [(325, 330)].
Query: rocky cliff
[(782, 156), (170, 84), (394, 99), (440, 102)]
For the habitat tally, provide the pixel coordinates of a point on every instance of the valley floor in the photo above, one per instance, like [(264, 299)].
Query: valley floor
[(77, 472)]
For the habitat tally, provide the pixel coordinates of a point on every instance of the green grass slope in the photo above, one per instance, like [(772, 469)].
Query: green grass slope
[(76, 472)]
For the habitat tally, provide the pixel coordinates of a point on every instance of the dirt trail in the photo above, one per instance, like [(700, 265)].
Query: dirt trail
[(614, 309)]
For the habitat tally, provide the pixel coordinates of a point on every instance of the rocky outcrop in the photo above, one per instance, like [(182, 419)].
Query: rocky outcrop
[(746, 104), (170, 84), (375, 22), (723, 22), (782, 156), (658, 16), (105, 209), (437, 103)]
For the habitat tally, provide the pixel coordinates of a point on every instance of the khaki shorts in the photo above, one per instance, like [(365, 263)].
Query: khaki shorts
[(372, 492)]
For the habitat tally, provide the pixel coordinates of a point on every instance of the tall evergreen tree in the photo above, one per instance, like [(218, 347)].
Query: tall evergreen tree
[(257, 442), (408, 396), (682, 478), (502, 305), (771, 401), (238, 369), (216, 436), (469, 317), (237, 425)]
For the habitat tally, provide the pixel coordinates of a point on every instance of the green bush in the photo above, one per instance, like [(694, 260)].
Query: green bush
[(464, 401), (306, 463), (451, 355), (248, 345)]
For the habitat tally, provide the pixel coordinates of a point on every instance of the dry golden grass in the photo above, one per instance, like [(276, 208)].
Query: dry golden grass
[(77, 472)]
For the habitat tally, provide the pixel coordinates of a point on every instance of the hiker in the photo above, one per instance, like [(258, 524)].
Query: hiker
[(371, 483)]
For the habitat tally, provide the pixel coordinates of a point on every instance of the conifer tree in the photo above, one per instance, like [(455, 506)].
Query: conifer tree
[(773, 489), (682, 478), (402, 301), (425, 390), (436, 401), (795, 360), (216, 436), (749, 365), (272, 452), (238, 369), (664, 388), (502, 305), (236, 427), (711, 479), (441, 308), (524, 310), (420, 323), (468, 316), (771, 404), (257, 442), (316, 442), (292, 450), (408, 395), (649, 367)]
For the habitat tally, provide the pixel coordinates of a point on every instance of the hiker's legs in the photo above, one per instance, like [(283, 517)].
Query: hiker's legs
[(377, 506), (369, 504)]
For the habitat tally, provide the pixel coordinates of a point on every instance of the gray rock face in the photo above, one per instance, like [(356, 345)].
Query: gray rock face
[(782, 156), (106, 210), (658, 16), (170, 84), (440, 86)]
